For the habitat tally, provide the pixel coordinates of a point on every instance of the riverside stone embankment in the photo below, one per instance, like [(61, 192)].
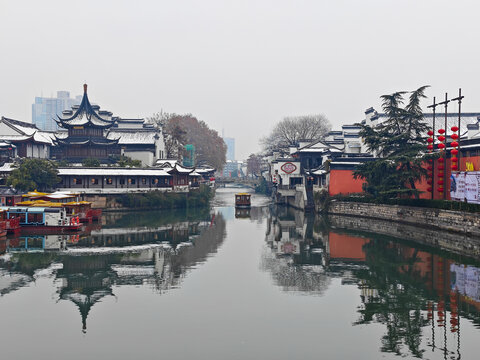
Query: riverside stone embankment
[(451, 230)]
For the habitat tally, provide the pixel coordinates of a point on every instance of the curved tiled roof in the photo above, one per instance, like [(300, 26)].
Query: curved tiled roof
[(86, 113)]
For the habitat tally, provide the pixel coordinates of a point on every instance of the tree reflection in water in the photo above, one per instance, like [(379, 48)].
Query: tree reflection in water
[(157, 253), (417, 292)]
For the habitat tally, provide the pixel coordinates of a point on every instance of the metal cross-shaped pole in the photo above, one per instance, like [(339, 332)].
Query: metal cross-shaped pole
[(459, 99), (433, 106), (445, 157)]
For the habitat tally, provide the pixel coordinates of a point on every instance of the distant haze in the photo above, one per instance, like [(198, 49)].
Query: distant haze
[(238, 65)]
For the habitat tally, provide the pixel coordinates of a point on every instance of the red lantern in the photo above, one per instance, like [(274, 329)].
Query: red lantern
[(454, 159), (430, 161), (440, 167), (429, 182), (430, 147), (440, 160), (454, 167), (440, 182), (430, 132), (441, 146), (440, 190), (430, 174), (454, 128), (454, 136), (429, 189), (430, 168), (454, 144), (441, 131), (440, 174), (441, 138), (430, 140), (454, 152)]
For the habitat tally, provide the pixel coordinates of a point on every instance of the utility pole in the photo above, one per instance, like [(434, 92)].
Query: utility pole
[(433, 106), (445, 181), (459, 99)]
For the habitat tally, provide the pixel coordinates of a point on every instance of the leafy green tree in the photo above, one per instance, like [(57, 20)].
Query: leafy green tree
[(91, 162), (125, 161), (34, 174), (399, 144)]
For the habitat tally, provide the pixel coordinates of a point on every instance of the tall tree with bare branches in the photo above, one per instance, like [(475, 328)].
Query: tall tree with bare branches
[(291, 130)]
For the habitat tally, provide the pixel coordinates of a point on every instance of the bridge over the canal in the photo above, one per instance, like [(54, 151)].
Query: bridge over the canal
[(243, 182)]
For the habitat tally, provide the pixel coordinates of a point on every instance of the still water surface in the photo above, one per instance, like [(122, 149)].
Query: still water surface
[(215, 284)]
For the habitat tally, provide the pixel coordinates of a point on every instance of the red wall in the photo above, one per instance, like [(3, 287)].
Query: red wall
[(342, 182), (423, 185), (343, 246)]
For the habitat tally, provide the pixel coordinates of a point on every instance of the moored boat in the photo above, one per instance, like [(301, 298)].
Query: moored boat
[(242, 200), (43, 220), (70, 201)]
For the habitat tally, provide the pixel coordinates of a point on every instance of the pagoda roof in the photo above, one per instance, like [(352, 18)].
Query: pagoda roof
[(85, 141), (85, 114)]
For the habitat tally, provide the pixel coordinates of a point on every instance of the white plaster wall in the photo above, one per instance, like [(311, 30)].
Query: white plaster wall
[(146, 157), (286, 177), (160, 147)]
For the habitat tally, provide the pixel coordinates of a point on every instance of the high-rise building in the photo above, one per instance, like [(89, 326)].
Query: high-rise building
[(230, 142), (45, 110)]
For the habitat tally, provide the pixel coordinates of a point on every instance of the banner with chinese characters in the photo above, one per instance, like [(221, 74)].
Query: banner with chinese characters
[(465, 186)]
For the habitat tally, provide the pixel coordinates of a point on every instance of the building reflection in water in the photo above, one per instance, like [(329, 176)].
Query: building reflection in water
[(88, 266), (418, 293)]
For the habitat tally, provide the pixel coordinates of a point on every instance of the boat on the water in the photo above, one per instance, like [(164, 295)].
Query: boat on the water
[(45, 220), (11, 226), (71, 201), (242, 200)]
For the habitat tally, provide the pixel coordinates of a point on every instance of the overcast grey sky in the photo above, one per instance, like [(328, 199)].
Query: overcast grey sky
[(238, 65)]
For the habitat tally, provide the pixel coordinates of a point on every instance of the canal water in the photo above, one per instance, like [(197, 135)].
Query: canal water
[(268, 283)]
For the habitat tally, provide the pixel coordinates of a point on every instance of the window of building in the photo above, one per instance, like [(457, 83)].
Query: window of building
[(144, 181), (94, 181), (109, 181), (77, 181), (122, 181)]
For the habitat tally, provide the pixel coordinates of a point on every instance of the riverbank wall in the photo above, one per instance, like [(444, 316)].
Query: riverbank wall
[(150, 200), (453, 221), (458, 243)]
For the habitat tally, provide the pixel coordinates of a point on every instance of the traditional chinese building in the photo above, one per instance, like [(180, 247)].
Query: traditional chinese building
[(23, 139), (87, 128)]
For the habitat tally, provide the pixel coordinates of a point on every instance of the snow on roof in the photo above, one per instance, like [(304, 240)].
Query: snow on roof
[(203, 171), (319, 172), (22, 126), (7, 167), (181, 169), (166, 163), (133, 136), (345, 163), (112, 172), (83, 119), (14, 137), (44, 137), (322, 149), (195, 173)]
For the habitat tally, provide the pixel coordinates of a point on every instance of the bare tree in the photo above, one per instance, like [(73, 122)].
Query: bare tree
[(291, 130), (254, 165), (173, 134)]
